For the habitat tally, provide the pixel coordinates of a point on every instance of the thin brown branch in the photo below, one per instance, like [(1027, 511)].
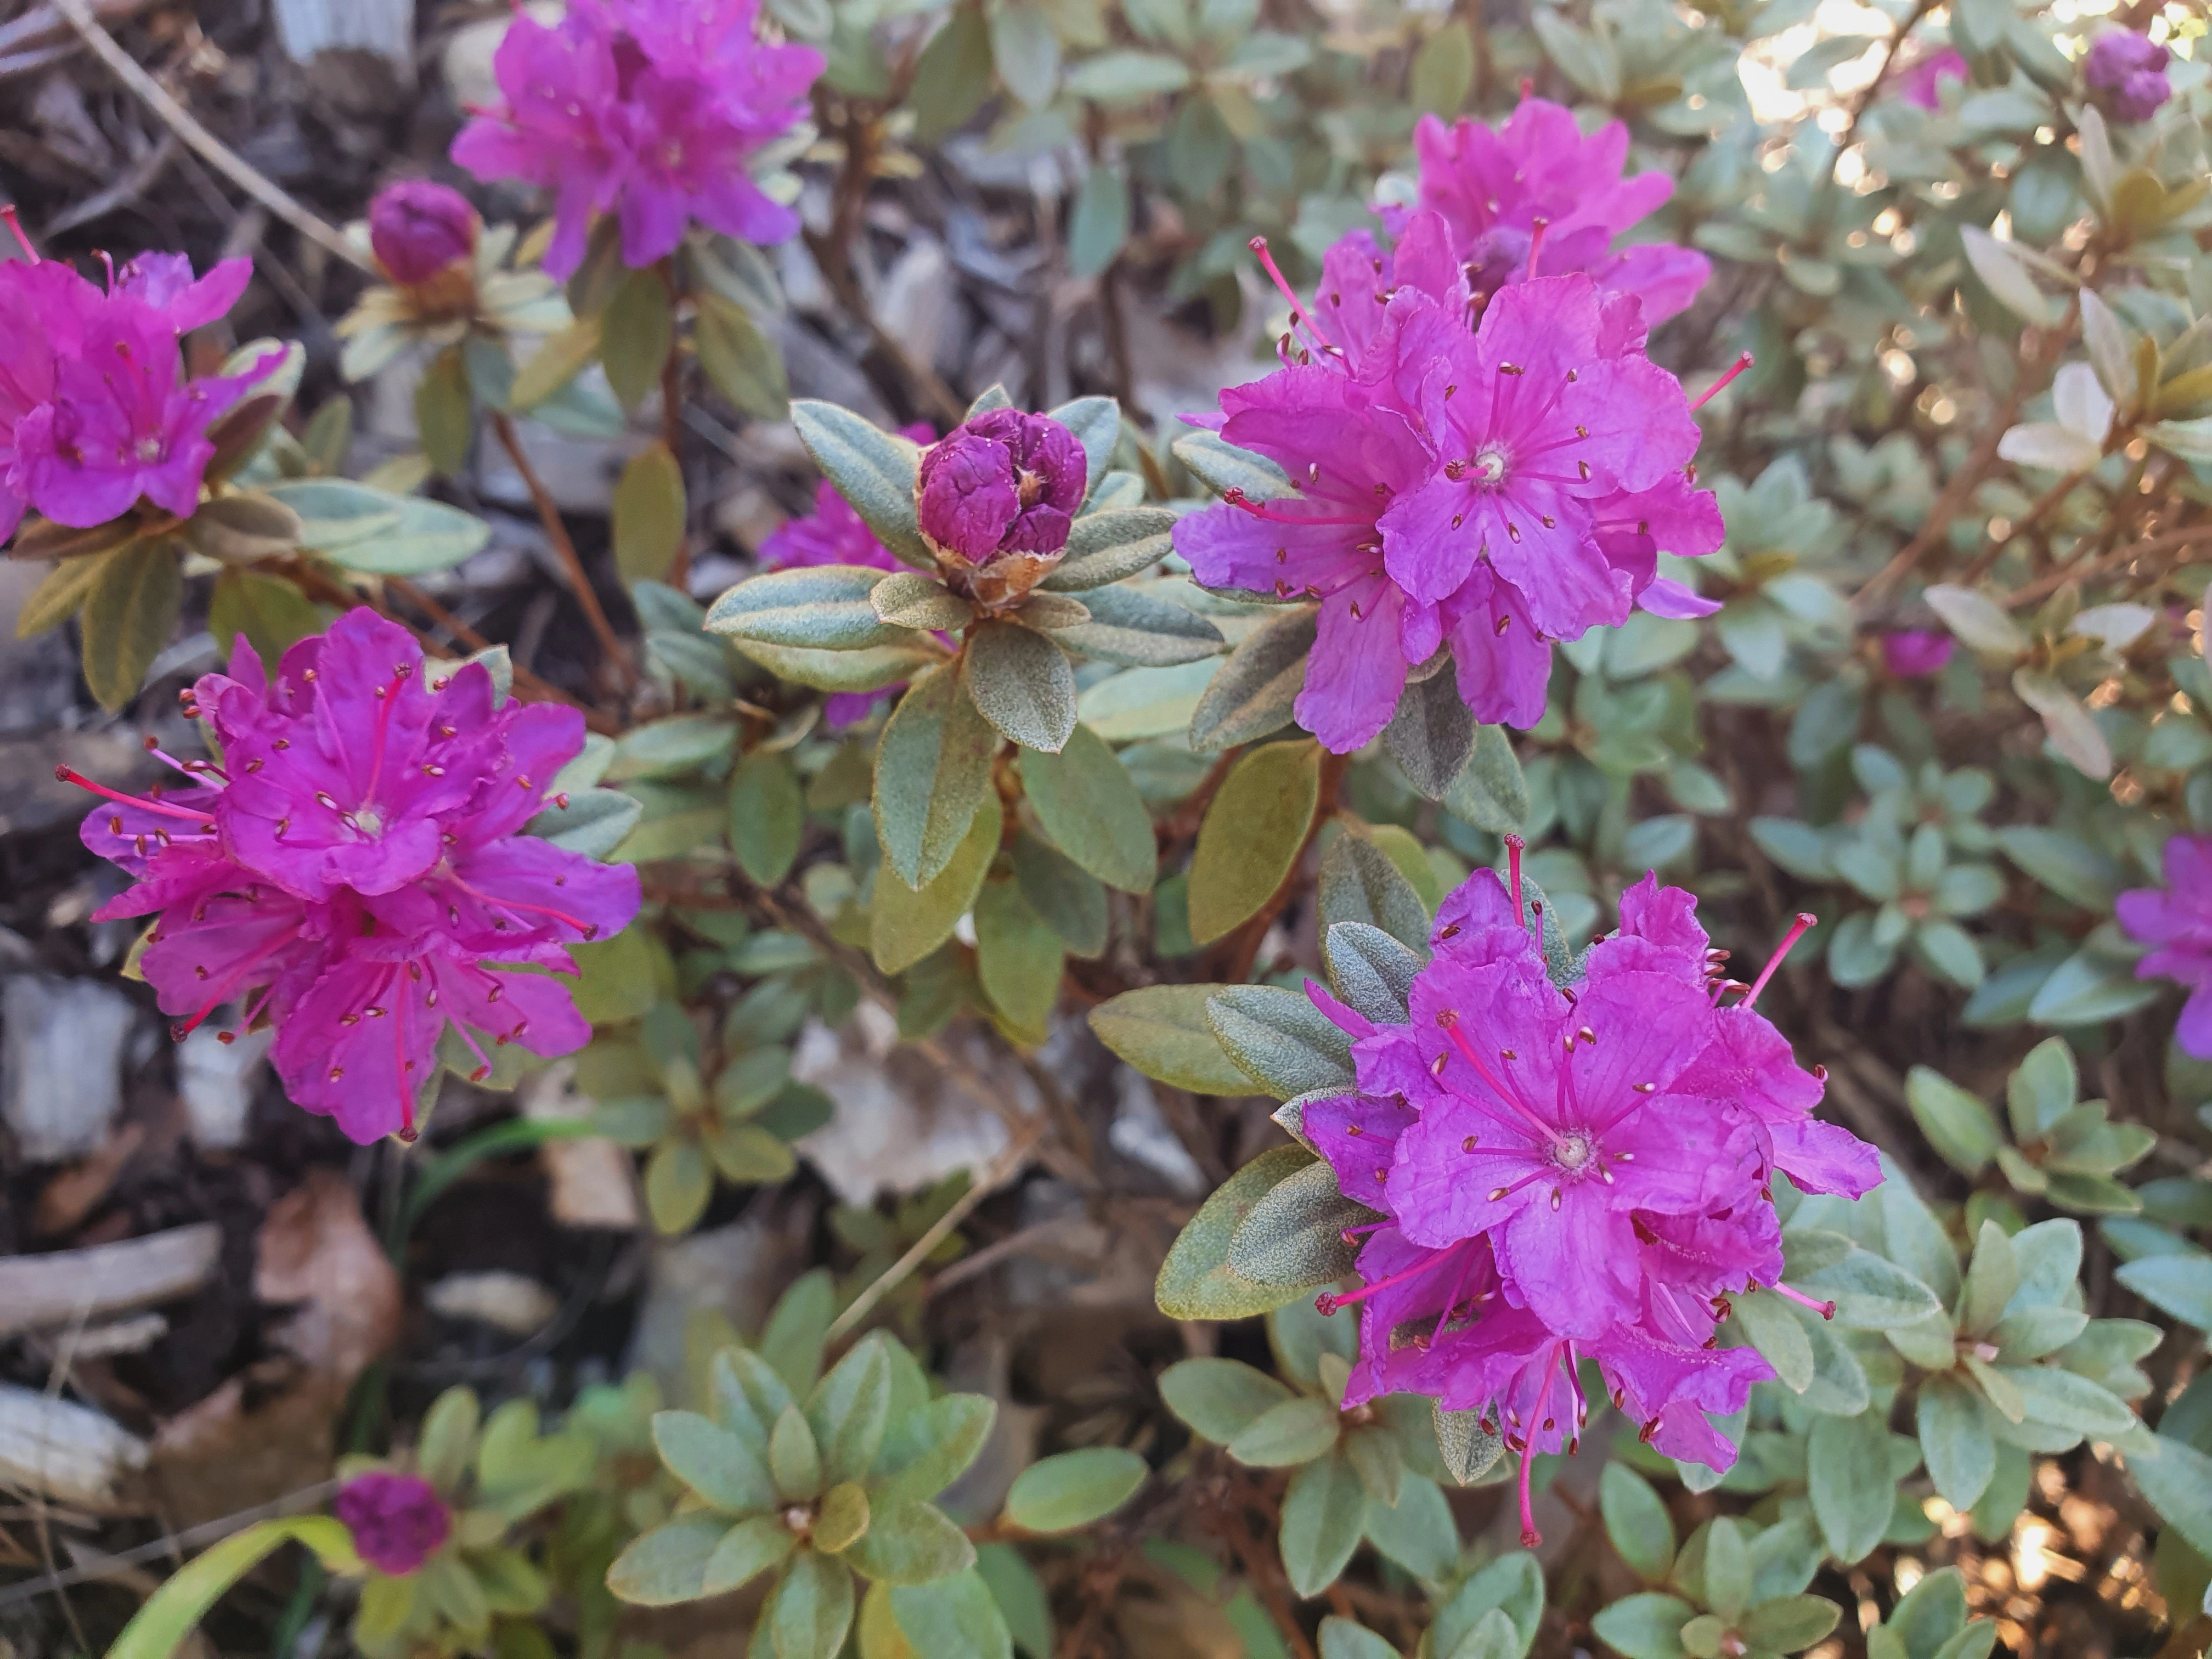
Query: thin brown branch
[(564, 549), (2051, 581), (218, 155), (527, 685)]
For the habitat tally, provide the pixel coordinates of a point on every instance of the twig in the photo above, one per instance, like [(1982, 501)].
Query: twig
[(2051, 581), (1003, 1169), (207, 1531), (218, 155), (564, 549)]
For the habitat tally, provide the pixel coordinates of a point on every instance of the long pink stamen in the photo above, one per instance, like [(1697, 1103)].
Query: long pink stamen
[(1537, 245), (1529, 1536), (1797, 930), (408, 1132), (1514, 848), (15, 229), (1825, 1309), (1360, 1231), (1299, 315), (1328, 1302), (1714, 391), (383, 724), (1458, 1289), (190, 769), (68, 774), (1457, 1038), (1237, 498), (589, 930)]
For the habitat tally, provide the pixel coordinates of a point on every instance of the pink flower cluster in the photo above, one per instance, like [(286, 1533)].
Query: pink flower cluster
[(2176, 921), (353, 868), (398, 1521), (1538, 181), (1481, 474), (650, 108), (1572, 1172), (96, 408)]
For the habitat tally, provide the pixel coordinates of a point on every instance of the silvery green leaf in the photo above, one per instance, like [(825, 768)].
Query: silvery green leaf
[(873, 469), (1135, 629), (1108, 545)]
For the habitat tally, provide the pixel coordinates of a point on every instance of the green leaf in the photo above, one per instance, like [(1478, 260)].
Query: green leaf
[(58, 598), (1100, 224), (2006, 276), (423, 536), (1020, 1596), (812, 1609), (1513, 1584), (1163, 1032), (816, 607), (1253, 831), (1324, 1513), (768, 815), (905, 924), (957, 1617), (1217, 1399), (742, 363), (1295, 1236), (649, 514), (2180, 1285), (1018, 959), (933, 769), (1956, 1440), (1370, 970), (908, 599), (1418, 1532), (911, 1542), (1432, 734), (272, 613), (1068, 897), (671, 747), (1470, 1451), (130, 610), (1645, 1626), (933, 1447), (1871, 1293), (953, 75), (1251, 694), (871, 469), (635, 333), (444, 414), (749, 1549), (1296, 1430), (849, 1410), (713, 1462), (1443, 71), (166, 1620), (1089, 805), (1138, 630), (1021, 683), (1288, 1046), (1110, 546), (1026, 49), (1342, 1639), (1641, 1532), (1359, 883), (559, 361), (1962, 1130), (2177, 1479), (1196, 1280), (1059, 1494), (1790, 1623), (1847, 1471), (1127, 76), (669, 1563), (794, 1459)]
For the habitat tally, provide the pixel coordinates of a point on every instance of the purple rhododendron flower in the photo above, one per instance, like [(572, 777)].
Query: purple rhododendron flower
[(398, 1521), (1572, 1171), (1915, 653), (354, 869), (1538, 180), (834, 534), (1921, 81), (1005, 483), (2130, 70), (1488, 490), (2176, 921), (650, 108), (96, 408), (419, 227)]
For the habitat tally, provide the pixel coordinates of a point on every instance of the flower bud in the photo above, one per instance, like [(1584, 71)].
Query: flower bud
[(1913, 652), (996, 499), (398, 1521), (2130, 70), (420, 229)]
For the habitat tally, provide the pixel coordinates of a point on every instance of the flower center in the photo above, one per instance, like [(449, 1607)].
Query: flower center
[(368, 821), (1028, 486), (1573, 1149), (150, 450), (1490, 466)]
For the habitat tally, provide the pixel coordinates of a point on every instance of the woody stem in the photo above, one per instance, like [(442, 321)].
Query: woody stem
[(563, 547)]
